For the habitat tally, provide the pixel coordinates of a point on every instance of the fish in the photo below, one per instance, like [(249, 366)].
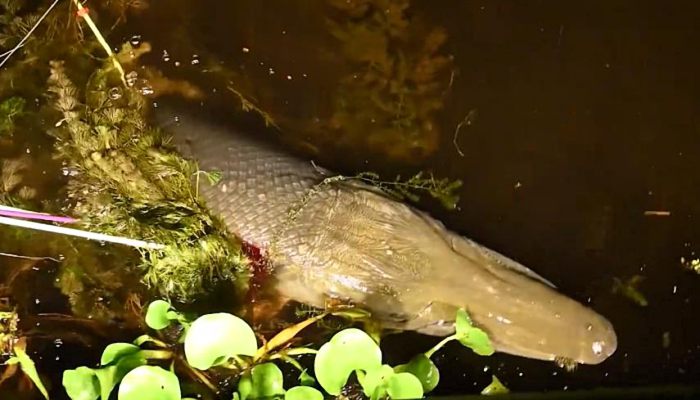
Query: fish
[(348, 241)]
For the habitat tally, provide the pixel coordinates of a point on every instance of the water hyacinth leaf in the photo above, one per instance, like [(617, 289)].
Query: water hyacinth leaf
[(149, 382), (305, 379), (374, 381), (111, 375), (348, 350), (263, 381), (245, 386), (157, 315), (214, 338), (29, 369), (115, 351), (424, 369), (403, 386), (81, 384), (495, 387), (471, 336), (303, 393)]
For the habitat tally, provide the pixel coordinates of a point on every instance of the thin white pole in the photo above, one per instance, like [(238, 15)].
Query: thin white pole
[(79, 233)]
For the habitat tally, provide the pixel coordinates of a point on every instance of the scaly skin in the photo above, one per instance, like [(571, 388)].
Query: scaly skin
[(352, 243)]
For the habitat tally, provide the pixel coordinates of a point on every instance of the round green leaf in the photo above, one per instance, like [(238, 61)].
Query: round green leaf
[(471, 336), (374, 381), (214, 338), (303, 393), (266, 381), (81, 384), (149, 383), (404, 386), (157, 315), (115, 351), (348, 350), (423, 368)]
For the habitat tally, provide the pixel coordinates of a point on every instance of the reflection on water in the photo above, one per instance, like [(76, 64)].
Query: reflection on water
[(581, 161)]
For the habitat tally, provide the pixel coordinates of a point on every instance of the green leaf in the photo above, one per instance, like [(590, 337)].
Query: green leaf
[(149, 383), (29, 369), (404, 386), (374, 381), (111, 375), (471, 336), (157, 315), (303, 393), (495, 387), (263, 381), (348, 350), (81, 384), (424, 369), (306, 380), (214, 338), (10, 108), (115, 351), (214, 177)]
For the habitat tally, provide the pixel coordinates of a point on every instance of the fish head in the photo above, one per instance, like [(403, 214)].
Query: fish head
[(522, 316)]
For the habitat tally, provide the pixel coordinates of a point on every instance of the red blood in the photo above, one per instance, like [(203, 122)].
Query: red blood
[(260, 268)]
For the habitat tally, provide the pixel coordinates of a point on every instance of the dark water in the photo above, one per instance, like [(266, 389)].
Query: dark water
[(586, 117)]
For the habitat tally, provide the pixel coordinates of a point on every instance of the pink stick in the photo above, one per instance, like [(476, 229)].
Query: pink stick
[(32, 215)]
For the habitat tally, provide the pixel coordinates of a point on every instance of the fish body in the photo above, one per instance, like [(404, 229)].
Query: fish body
[(346, 240)]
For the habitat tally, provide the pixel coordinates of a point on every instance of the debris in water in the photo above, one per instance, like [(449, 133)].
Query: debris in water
[(629, 289), (693, 265), (657, 213)]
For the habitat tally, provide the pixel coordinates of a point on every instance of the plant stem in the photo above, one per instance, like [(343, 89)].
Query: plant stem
[(157, 354), (83, 12), (438, 346)]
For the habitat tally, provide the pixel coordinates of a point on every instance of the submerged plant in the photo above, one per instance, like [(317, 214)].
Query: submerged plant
[(397, 81), (128, 181)]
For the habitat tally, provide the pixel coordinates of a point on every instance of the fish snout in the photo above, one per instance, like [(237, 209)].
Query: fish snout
[(598, 341)]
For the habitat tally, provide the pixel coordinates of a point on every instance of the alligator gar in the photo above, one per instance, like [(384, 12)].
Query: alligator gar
[(351, 242)]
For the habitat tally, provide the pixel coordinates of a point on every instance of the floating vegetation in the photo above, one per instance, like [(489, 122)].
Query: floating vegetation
[(442, 190), (126, 180), (630, 289), (221, 343), (398, 78)]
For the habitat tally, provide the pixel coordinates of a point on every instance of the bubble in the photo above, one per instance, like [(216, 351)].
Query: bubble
[(135, 40), (131, 78), (166, 56), (146, 90), (195, 59), (115, 93), (58, 342)]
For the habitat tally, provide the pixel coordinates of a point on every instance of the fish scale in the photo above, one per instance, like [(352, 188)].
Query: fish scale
[(351, 242)]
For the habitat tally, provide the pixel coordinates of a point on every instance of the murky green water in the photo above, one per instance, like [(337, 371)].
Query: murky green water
[(582, 118)]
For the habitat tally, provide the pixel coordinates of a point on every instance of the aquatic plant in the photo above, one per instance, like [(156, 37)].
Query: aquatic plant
[(128, 181), (13, 351), (397, 81), (225, 343), (629, 288)]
